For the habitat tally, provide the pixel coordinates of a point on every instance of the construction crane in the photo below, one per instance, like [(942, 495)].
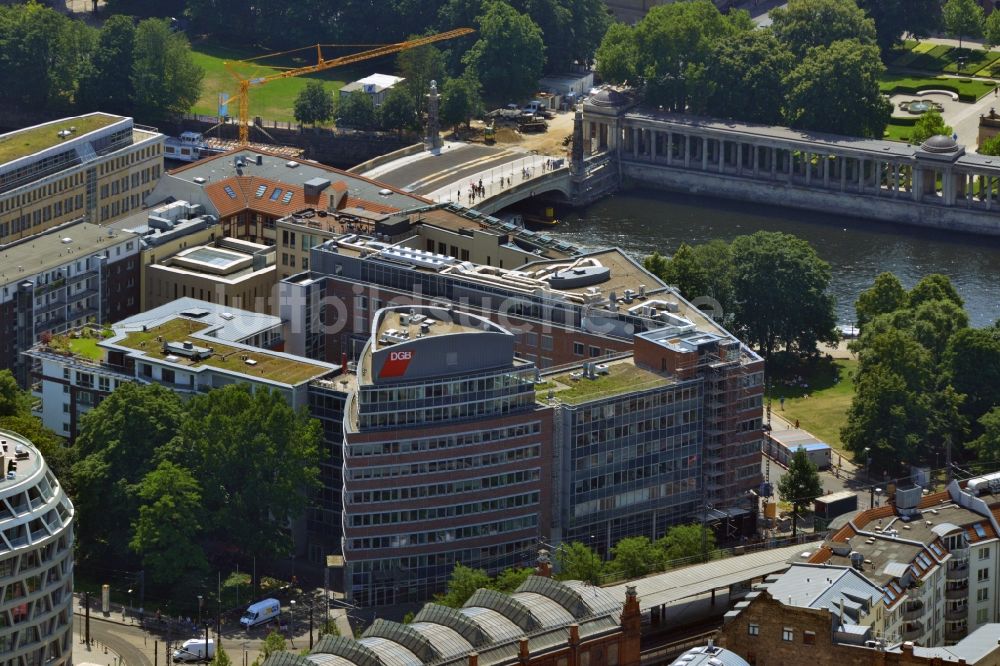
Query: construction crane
[(320, 66)]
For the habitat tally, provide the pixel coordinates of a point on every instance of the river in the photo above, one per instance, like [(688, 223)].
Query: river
[(856, 249)]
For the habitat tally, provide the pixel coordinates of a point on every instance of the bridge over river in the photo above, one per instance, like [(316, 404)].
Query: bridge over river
[(507, 175)]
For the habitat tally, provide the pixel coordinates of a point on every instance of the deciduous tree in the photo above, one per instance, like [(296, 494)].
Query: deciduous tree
[(853, 70), (106, 85), (462, 584), (929, 124), (117, 446), (991, 29), (274, 642), (780, 293), (257, 460), (398, 111), (972, 366), (508, 580), (314, 104), (507, 58), (166, 80), (578, 562), (686, 541), (742, 78), (356, 111), (963, 18), (633, 557), (460, 100), (986, 447), (894, 18), (617, 56), (804, 24), (168, 525), (419, 67), (886, 295), (800, 485)]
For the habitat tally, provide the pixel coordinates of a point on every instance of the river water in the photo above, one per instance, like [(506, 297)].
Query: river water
[(857, 250)]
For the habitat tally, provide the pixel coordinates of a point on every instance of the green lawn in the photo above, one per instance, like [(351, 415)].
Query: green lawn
[(621, 377), (896, 131), (273, 100), (941, 58), (969, 90), (25, 142), (822, 408), (86, 347)]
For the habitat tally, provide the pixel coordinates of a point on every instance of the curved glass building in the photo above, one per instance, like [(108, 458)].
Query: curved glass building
[(36, 559)]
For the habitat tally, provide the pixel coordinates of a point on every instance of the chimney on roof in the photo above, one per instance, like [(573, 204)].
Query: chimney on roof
[(544, 566), (523, 653), (574, 634), (473, 659)]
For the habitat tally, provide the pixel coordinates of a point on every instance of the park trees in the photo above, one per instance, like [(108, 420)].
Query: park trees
[(419, 67), (804, 24), (853, 70), (962, 18), (106, 85), (460, 100), (508, 56), (780, 293), (256, 459), (800, 485), (165, 532), (894, 18), (742, 78), (929, 124), (117, 446), (886, 295), (991, 29), (314, 104), (356, 111), (165, 78), (617, 57), (986, 447), (633, 557), (398, 112)]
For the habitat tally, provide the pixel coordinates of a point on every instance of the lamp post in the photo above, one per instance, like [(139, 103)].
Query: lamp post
[(129, 602), (291, 630), (201, 600)]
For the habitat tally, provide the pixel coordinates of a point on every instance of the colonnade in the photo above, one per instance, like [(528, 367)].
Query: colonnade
[(874, 168)]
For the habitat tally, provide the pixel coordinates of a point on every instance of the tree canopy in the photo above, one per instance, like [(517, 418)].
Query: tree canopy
[(507, 58), (314, 104), (929, 124), (962, 18), (894, 18), (804, 24), (165, 78), (578, 562), (179, 484), (356, 111), (800, 484), (780, 293)]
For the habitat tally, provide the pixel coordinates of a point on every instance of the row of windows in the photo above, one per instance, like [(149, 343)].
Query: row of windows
[(623, 454), (656, 426), (446, 536), (413, 515), (454, 412), (446, 465), (513, 381), (447, 489), (635, 404), (672, 469), (451, 441), (677, 490)]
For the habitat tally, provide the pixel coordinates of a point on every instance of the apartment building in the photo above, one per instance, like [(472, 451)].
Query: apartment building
[(96, 167), (53, 282), (935, 556)]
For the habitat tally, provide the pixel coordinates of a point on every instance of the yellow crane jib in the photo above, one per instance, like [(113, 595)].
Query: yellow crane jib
[(320, 66)]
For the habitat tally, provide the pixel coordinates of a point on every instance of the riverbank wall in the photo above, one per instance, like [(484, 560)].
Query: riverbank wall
[(937, 184)]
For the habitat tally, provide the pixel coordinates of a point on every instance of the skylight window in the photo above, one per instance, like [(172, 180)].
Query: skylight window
[(980, 532), (288, 197), (260, 191), (230, 192), (276, 193)]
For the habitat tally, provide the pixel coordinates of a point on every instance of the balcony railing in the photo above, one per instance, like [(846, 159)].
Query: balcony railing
[(959, 613), (957, 573), (913, 612), (912, 631), (953, 633), (957, 593)]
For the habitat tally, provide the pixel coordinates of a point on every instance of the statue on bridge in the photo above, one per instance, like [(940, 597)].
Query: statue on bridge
[(433, 139)]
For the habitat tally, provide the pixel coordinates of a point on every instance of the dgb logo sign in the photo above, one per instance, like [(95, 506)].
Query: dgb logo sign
[(397, 363)]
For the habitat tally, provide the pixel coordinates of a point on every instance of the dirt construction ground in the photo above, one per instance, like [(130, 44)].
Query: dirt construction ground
[(549, 142)]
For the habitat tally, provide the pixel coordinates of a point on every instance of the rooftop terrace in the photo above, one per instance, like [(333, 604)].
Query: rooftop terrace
[(247, 361), (28, 141), (612, 378)]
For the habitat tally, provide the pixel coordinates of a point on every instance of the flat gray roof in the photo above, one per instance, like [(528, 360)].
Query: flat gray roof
[(38, 254), (974, 647), (241, 325), (673, 586)]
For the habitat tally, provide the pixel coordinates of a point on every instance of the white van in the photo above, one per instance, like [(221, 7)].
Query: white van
[(194, 650), (259, 612)]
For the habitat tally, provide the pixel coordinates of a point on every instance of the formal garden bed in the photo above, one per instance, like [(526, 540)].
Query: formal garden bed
[(942, 58), (969, 90)]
